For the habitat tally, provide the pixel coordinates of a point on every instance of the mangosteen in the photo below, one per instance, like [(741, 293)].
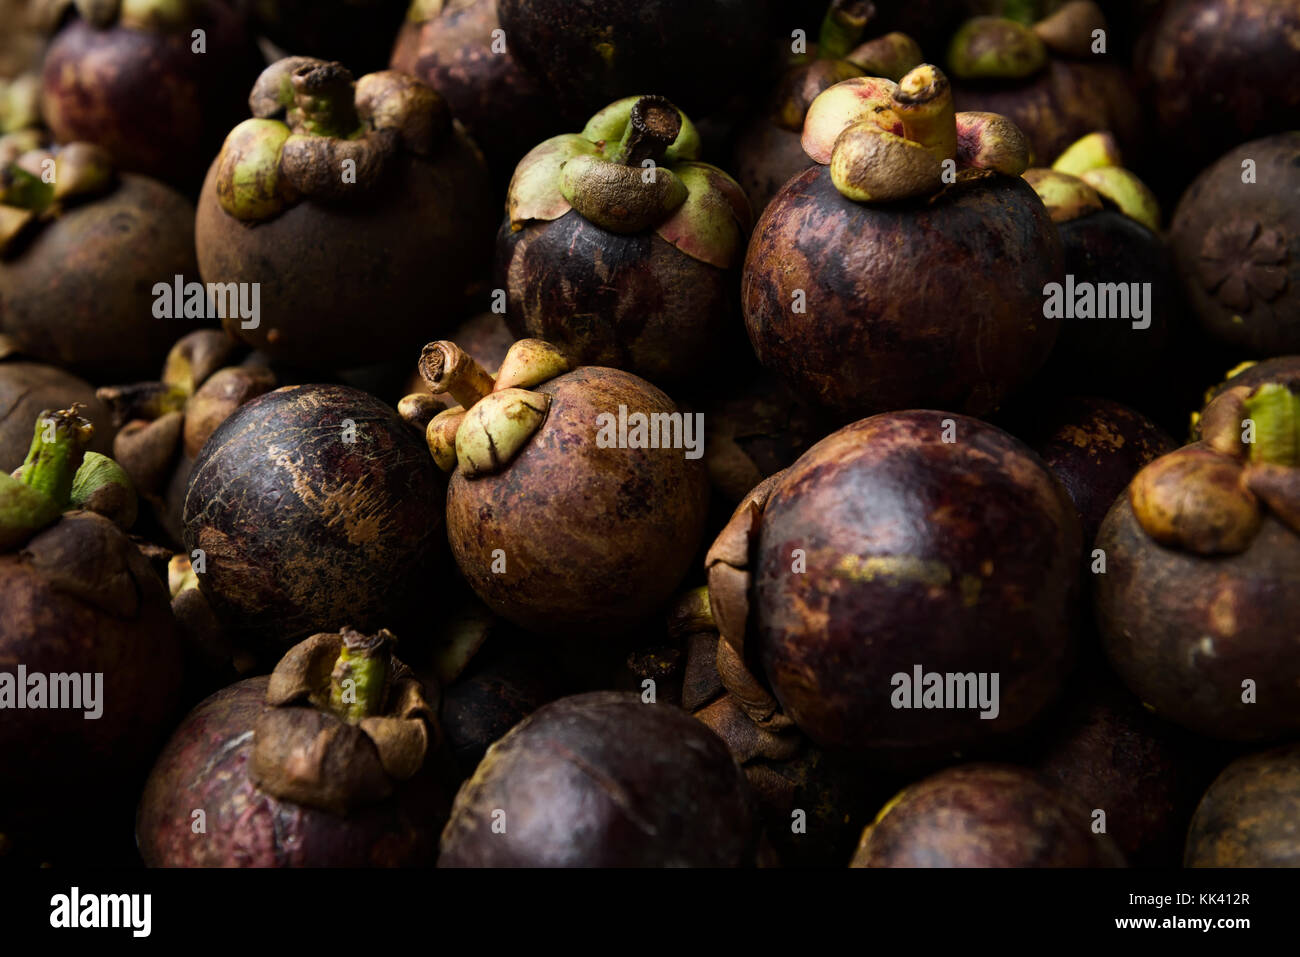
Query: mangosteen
[(908, 269), (1094, 446), (576, 502), (807, 800), (151, 81), (329, 762), (769, 151), (603, 780), (89, 665), (82, 252), (165, 423), (1121, 300), (1054, 79), (505, 682), (876, 590), (353, 214), (620, 248), (1113, 756), (984, 815), (1218, 73), (697, 52), (1248, 816), (312, 506), (458, 48), (354, 31), (1201, 591), (28, 387), (1236, 239)]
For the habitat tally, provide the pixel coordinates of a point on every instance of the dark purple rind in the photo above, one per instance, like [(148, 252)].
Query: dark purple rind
[(1185, 631), (632, 302), (929, 303), (984, 815), (205, 767), (304, 532), (603, 780), (980, 513)]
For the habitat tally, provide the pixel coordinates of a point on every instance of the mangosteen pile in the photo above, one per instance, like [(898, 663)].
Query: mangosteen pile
[(649, 433)]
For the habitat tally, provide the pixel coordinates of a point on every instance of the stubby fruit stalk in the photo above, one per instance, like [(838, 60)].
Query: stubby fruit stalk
[(323, 101), (923, 101), (842, 28), (359, 681), (58, 446), (652, 127), (448, 368), (497, 417)]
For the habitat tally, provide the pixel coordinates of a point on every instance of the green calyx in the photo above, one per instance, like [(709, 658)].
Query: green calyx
[(995, 48), (40, 182), (41, 488), (359, 681), (842, 28), (632, 169), (317, 134), (1275, 410), (250, 184)]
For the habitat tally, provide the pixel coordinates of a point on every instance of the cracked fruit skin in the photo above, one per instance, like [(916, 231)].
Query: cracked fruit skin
[(696, 52), (205, 765), (956, 556), (1237, 247), (79, 292), (595, 539), (304, 532), (80, 597), (984, 815), (1219, 72), (1184, 631), (143, 95), (932, 302), (1247, 817), (346, 284), (603, 780)]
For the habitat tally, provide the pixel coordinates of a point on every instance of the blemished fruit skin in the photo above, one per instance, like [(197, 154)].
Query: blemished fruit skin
[(595, 539), (932, 303), (604, 780), (886, 547), (1250, 816), (316, 507), (1184, 631)]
